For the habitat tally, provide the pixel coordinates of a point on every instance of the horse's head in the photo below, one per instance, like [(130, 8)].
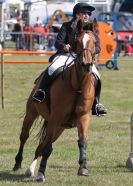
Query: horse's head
[(85, 48)]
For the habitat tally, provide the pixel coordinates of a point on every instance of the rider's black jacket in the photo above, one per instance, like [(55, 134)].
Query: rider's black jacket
[(67, 35)]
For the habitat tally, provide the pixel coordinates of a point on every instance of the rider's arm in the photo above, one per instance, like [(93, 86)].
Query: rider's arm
[(61, 37)]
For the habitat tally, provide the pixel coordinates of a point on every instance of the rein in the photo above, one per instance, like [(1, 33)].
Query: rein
[(77, 58)]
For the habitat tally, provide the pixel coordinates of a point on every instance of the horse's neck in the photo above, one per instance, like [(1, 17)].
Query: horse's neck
[(79, 77)]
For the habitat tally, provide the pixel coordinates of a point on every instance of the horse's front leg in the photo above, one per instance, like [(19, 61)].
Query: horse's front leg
[(51, 136), (82, 144), (46, 152), (31, 169)]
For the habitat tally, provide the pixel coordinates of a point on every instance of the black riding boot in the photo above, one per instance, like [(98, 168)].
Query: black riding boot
[(97, 108), (45, 82)]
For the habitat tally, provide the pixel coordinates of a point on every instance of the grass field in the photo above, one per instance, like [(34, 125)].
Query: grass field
[(108, 142)]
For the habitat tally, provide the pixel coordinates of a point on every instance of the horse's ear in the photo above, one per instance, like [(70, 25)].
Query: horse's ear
[(88, 26), (83, 26), (95, 25)]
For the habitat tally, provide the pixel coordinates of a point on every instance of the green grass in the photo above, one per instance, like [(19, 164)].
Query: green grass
[(108, 141)]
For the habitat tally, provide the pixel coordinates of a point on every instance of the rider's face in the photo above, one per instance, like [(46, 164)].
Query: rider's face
[(85, 16)]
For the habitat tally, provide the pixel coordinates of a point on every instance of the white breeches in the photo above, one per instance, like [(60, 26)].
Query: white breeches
[(65, 60)]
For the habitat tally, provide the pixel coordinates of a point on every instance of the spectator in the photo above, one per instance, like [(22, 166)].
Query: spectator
[(28, 36), (129, 46), (46, 30), (38, 21), (51, 41), (50, 37), (39, 30), (17, 36)]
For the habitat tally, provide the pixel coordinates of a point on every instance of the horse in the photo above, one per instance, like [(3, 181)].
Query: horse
[(69, 103)]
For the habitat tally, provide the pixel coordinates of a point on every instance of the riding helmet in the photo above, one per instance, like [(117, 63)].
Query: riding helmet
[(82, 7)]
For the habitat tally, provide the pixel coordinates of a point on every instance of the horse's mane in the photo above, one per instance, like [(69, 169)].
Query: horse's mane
[(91, 26)]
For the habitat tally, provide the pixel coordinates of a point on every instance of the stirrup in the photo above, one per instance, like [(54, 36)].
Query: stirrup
[(39, 96), (100, 110)]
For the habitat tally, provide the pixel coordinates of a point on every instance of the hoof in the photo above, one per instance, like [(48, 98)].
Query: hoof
[(40, 177), (83, 172), (29, 173), (16, 167)]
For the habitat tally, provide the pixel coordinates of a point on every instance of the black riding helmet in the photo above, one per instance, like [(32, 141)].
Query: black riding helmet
[(82, 7)]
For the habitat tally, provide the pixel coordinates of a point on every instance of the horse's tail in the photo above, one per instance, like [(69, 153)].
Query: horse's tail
[(42, 132)]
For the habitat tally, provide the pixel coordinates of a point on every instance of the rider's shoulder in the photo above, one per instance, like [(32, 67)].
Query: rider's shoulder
[(67, 23)]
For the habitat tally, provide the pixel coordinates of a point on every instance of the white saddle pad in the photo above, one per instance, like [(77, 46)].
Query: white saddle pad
[(60, 61), (67, 59)]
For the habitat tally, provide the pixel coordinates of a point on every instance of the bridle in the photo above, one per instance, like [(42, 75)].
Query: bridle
[(77, 59), (87, 66)]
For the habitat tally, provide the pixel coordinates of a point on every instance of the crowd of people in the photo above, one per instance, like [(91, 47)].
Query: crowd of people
[(42, 37), (38, 37), (125, 35)]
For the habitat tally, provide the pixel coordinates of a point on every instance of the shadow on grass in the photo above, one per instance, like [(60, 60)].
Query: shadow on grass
[(117, 168), (108, 169), (14, 177), (125, 168), (17, 177)]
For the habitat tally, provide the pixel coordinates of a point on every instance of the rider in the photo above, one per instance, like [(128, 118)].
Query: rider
[(65, 42)]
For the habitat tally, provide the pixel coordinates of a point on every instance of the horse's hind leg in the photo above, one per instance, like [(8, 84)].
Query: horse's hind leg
[(31, 115)]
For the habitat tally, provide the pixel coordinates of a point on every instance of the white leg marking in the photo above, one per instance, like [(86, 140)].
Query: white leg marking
[(30, 171)]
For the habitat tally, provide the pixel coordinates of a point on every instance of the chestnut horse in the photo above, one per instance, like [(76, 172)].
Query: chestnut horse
[(69, 102)]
